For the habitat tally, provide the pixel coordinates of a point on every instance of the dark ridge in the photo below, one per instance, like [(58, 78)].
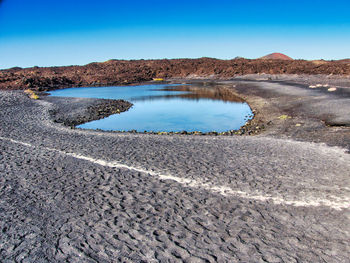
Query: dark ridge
[(121, 72)]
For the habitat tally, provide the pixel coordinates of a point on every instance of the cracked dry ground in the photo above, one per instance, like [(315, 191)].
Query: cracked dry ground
[(57, 206)]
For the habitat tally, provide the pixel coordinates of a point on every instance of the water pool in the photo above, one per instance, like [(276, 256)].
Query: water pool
[(167, 108)]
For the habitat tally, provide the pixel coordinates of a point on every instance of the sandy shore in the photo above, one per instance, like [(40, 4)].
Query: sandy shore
[(90, 196)]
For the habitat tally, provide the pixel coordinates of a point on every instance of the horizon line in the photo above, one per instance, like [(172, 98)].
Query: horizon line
[(179, 58)]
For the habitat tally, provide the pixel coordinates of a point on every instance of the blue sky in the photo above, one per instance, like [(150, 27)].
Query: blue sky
[(48, 33)]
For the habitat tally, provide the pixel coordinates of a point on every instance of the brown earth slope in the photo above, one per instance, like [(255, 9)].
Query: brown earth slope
[(277, 56), (116, 72)]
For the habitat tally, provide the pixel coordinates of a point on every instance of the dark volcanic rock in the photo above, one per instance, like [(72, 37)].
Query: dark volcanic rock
[(116, 72)]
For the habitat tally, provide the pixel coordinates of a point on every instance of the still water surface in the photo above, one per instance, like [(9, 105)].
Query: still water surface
[(167, 108)]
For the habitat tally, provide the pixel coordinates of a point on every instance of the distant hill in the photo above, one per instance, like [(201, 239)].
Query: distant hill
[(276, 56)]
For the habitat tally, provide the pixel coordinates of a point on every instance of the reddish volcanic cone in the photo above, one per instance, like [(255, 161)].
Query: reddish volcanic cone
[(277, 56)]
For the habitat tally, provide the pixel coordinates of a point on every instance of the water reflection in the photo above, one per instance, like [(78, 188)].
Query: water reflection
[(202, 92)]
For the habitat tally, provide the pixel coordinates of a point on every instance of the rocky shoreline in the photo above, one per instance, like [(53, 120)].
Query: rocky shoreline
[(281, 117), (75, 111)]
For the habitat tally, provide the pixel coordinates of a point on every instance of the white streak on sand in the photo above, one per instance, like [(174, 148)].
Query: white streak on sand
[(340, 203)]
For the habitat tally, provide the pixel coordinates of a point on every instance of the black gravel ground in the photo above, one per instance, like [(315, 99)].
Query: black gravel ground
[(69, 195), (75, 111)]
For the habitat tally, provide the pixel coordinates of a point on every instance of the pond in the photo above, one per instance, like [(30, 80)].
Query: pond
[(168, 108)]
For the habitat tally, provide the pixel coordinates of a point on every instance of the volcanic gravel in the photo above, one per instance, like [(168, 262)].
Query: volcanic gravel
[(70, 195), (75, 111)]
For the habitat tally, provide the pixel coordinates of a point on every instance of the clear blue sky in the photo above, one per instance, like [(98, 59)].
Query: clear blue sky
[(66, 32)]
